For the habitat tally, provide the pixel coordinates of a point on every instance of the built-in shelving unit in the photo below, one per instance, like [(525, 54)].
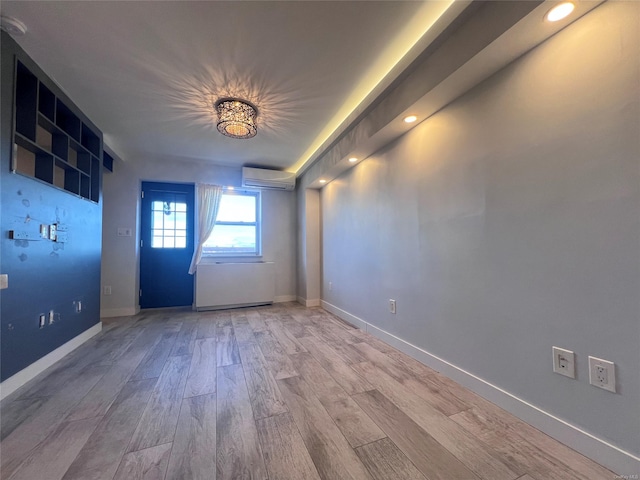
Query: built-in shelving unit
[(51, 142)]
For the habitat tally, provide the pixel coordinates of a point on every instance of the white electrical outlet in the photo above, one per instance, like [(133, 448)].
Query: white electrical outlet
[(107, 289), (602, 373), (42, 321), (392, 306), (564, 362), (51, 317)]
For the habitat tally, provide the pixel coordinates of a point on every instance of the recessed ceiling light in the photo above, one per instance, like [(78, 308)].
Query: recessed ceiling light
[(230, 188), (353, 159), (560, 11), (323, 181), (410, 119)]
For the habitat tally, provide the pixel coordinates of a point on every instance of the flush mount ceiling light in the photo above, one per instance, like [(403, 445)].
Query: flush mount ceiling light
[(13, 26), (353, 160), (410, 119), (560, 11), (236, 118)]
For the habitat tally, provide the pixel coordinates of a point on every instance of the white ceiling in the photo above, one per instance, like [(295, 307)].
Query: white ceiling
[(148, 73)]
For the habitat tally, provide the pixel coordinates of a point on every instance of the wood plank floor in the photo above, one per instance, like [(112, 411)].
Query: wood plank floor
[(268, 393)]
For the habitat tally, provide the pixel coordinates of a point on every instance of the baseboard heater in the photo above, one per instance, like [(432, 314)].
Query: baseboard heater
[(230, 285)]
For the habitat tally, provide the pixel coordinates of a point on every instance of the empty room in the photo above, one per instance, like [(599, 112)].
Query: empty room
[(328, 240)]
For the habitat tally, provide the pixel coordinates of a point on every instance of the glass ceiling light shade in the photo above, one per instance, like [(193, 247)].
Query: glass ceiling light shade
[(236, 118)]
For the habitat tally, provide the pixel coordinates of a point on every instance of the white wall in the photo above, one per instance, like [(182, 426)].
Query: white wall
[(120, 255), (508, 223)]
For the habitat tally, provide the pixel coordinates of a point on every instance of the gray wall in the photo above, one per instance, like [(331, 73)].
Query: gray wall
[(308, 245), (509, 222), (43, 275), (120, 255)]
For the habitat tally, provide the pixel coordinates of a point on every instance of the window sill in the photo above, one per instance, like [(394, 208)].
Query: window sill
[(210, 259)]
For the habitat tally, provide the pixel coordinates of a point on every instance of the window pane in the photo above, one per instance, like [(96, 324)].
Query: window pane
[(156, 242), (237, 208), (157, 219), (170, 221), (181, 220), (181, 242), (231, 239), (169, 242)]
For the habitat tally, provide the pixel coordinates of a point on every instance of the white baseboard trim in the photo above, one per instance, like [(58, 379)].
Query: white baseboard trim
[(601, 451), (119, 312), (231, 306), (346, 316), (17, 380), (314, 302), (285, 298)]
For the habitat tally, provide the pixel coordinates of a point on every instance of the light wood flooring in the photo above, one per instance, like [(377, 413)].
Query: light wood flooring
[(280, 392)]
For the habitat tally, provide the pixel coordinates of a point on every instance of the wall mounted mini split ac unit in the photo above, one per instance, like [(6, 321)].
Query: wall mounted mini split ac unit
[(269, 179)]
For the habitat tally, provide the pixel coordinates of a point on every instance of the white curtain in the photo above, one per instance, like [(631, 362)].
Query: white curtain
[(208, 200)]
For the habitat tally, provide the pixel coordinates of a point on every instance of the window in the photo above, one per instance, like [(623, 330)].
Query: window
[(168, 224), (237, 228)]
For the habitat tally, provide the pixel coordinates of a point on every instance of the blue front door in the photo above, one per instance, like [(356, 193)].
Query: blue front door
[(166, 233)]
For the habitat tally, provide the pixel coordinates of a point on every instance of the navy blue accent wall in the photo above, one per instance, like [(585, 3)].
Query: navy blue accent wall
[(43, 275)]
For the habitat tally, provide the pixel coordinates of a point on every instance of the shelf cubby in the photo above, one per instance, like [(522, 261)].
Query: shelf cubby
[(26, 102), (84, 162), (32, 160), (67, 121), (44, 139), (66, 177), (85, 186), (90, 140), (56, 139), (107, 161), (46, 102)]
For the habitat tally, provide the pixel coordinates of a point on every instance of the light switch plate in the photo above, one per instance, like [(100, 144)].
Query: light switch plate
[(4, 281)]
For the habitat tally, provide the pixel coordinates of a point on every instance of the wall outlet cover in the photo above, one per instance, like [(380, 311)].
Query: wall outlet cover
[(564, 362), (602, 374), (392, 306)]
